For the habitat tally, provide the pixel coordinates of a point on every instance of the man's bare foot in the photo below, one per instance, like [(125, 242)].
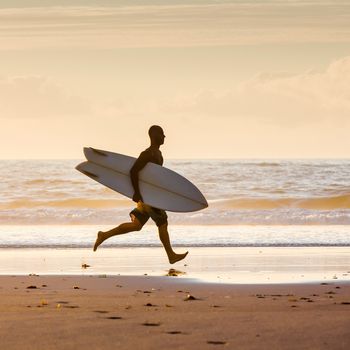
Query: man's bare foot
[(99, 239), (177, 257)]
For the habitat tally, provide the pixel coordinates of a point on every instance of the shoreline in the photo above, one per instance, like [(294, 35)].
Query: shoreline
[(83, 236), (148, 312), (243, 265)]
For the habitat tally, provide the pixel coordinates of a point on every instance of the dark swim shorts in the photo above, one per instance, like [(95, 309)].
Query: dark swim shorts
[(143, 212)]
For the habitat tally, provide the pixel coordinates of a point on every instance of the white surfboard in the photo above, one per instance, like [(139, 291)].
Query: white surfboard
[(160, 187)]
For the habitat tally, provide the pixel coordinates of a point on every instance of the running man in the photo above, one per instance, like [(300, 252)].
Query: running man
[(143, 212)]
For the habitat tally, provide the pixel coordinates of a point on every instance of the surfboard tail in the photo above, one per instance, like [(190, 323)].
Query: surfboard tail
[(99, 152), (80, 167)]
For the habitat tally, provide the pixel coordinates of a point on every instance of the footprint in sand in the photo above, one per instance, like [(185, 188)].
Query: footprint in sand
[(71, 306), (190, 297), (149, 304), (151, 324)]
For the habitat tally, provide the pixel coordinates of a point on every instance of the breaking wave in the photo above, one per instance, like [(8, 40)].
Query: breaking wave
[(66, 203), (316, 203)]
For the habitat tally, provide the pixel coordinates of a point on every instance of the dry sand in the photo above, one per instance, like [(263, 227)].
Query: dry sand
[(120, 312)]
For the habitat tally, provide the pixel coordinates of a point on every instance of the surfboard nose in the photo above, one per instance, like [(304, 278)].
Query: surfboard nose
[(204, 202)]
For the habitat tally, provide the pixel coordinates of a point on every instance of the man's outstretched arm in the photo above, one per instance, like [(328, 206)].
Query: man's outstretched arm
[(139, 164)]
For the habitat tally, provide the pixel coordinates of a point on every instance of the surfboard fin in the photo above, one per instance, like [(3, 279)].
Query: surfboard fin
[(89, 174), (101, 153)]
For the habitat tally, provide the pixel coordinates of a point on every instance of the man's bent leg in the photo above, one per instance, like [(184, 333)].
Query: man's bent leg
[(126, 227), (164, 237)]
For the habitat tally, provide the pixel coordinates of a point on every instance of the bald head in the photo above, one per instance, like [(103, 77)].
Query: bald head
[(156, 134)]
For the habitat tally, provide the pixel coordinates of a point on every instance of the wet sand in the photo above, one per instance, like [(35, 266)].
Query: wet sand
[(211, 264), (148, 312)]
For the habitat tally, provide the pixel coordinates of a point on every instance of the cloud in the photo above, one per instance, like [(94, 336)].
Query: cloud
[(276, 98), (166, 24), (38, 97)]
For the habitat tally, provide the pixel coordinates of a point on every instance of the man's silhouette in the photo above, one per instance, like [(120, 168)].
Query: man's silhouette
[(143, 212)]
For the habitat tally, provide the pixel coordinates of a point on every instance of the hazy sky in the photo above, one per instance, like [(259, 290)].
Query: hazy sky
[(225, 79)]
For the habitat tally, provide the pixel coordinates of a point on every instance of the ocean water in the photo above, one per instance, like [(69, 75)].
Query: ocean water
[(251, 202)]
